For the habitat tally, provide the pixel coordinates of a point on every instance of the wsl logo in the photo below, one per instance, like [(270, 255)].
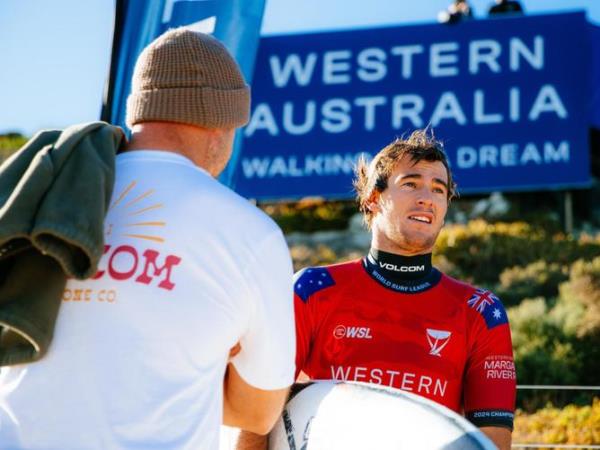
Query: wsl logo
[(341, 332), (437, 339)]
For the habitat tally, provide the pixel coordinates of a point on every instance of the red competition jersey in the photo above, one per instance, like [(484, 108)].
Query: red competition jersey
[(441, 339)]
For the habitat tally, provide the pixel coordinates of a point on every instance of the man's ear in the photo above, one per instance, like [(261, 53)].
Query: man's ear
[(373, 202)]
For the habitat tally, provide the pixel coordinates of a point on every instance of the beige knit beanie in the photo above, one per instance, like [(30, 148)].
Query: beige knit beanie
[(188, 77)]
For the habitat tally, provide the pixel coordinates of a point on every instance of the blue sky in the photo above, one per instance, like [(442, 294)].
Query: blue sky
[(55, 53)]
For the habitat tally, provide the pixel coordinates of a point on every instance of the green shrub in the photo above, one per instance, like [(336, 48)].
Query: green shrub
[(575, 425), (558, 342), (544, 354), (577, 313), (538, 279), (9, 143), (582, 293), (311, 215), (480, 251), (304, 256)]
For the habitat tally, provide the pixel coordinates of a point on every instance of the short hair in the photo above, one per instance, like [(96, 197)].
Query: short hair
[(373, 177)]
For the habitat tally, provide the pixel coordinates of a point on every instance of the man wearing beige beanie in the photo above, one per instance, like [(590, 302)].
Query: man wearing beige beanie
[(189, 320)]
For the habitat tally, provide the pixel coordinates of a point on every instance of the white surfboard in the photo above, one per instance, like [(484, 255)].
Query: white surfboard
[(330, 415)]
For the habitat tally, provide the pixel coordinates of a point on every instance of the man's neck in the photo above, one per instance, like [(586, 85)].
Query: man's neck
[(399, 267), (403, 274), (186, 140), (382, 243)]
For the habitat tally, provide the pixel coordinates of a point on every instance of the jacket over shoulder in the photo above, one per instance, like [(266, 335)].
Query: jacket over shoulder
[(54, 195)]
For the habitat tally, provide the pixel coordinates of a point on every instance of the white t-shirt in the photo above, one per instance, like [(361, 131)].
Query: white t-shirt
[(139, 353)]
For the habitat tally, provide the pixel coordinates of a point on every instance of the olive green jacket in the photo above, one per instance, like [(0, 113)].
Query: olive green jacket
[(54, 195)]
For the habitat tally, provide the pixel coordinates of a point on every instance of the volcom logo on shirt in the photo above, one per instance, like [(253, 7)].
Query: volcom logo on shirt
[(125, 262), (437, 339), (396, 268), (342, 331)]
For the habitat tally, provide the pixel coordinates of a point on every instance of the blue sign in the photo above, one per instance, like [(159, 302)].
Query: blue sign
[(595, 93), (236, 23), (509, 97)]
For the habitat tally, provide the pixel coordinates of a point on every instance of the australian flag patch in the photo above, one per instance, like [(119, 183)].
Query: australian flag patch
[(312, 280), (489, 306)]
